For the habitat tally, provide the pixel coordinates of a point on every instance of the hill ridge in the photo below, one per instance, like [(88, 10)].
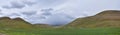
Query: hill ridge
[(19, 23), (107, 18), (5, 18)]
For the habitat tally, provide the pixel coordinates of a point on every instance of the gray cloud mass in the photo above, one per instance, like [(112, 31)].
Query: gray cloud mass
[(47, 12), (29, 3), (29, 13), (14, 5)]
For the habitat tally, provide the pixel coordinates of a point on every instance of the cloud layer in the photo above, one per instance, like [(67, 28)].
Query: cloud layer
[(54, 12)]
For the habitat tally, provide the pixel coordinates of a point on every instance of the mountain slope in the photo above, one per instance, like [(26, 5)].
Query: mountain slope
[(108, 18), (6, 22)]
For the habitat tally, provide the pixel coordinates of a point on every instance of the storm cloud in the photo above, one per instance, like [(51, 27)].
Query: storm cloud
[(14, 5), (29, 13), (29, 3), (47, 12)]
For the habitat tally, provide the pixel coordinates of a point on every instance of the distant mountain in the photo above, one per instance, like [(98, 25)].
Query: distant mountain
[(107, 18)]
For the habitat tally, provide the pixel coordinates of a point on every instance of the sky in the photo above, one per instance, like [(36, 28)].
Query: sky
[(54, 12)]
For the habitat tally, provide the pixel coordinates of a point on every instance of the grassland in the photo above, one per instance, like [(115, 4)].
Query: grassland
[(72, 31)]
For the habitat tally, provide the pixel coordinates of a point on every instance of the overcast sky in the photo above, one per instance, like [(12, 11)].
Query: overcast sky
[(54, 11)]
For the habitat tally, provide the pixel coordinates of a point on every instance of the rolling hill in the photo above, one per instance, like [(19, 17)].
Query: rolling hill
[(6, 22), (107, 18)]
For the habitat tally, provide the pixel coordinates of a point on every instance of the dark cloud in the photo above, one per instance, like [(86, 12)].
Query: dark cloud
[(7, 7), (29, 13), (14, 5), (47, 12), (18, 5), (50, 3), (39, 17), (29, 3), (14, 14)]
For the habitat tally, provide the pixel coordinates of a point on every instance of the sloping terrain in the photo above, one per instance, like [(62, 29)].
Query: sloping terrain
[(108, 18), (6, 22)]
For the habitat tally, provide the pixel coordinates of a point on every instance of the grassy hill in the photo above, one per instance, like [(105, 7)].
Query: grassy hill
[(107, 18), (6, 22)]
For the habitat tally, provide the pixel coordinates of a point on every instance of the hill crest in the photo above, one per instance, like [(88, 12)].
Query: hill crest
[(20, 23), (107, 18)]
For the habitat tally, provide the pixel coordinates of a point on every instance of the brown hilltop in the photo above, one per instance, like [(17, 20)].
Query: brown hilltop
[(11, 19), (109, 14), (4, 18), (107, 18), (18, 19), (7, 22), (14, 19)]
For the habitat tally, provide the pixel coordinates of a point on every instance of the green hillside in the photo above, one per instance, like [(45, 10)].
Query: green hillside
[(6, 22), (108, 18)]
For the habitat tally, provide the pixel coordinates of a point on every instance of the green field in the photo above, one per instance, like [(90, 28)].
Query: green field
[(82, 31)]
